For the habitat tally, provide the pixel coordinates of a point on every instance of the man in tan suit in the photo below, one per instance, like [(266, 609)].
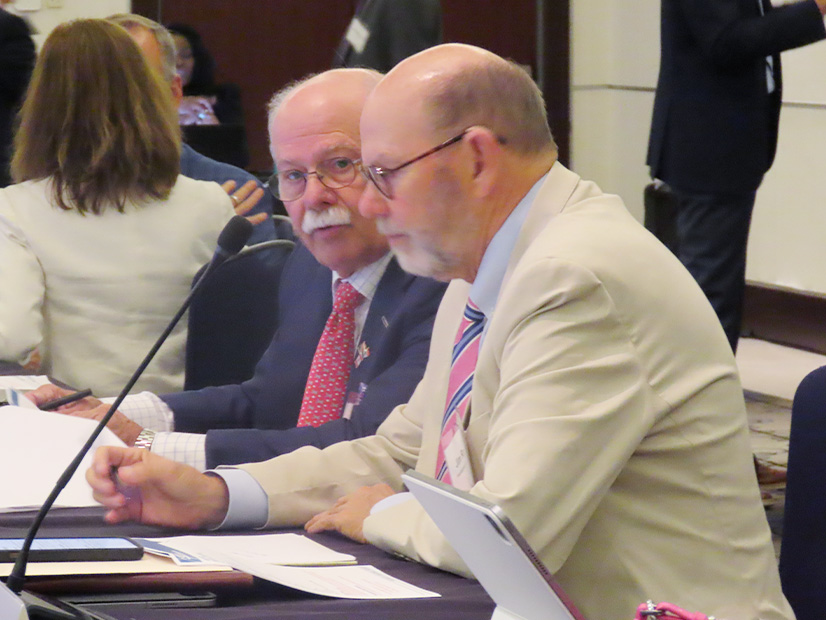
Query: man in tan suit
[(606, 417)]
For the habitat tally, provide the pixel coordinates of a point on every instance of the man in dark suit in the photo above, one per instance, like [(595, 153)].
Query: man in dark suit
[(16, 62), (714, 127), (383, 32), (314, 134)]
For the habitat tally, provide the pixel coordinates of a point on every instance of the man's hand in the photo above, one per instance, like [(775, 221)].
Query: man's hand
[(123, 427), (821, 4), (197, 111), (246, 197), (89, 408), (32, 363), (155, 490), (48, 392), (348, 514)]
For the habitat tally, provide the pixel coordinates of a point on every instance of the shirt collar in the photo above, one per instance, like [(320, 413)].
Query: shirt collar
[(486, 286), (365, 280)]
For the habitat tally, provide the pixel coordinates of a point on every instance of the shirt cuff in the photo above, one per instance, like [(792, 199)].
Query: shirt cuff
[(248, 503), (187, 448), (389, 502), (147, 410)]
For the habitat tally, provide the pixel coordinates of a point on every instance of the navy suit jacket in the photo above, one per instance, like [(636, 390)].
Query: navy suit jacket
[(256, 420), (714, 126)]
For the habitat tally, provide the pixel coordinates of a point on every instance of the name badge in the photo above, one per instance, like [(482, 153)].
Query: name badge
[(357, 35), (457, 460), (353, 400)]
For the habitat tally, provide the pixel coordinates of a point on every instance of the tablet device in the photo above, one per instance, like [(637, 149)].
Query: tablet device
[(74, 549), (495, 551), (156, 600)]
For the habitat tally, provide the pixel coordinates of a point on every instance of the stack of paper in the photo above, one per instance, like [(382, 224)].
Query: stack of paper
[(35, 448), (297, 562)]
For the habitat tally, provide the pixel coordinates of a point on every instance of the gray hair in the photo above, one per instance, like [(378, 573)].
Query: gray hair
[(130, 22), (277, 100), (498, 95)]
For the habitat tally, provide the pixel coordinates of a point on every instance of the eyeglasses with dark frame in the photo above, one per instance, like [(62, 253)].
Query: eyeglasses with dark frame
[(333, 173), (379, 175)]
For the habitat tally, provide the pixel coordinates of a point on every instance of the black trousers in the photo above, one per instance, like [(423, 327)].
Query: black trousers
[(712, 232)]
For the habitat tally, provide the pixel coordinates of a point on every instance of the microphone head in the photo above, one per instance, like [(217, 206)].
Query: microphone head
[(234, 235)]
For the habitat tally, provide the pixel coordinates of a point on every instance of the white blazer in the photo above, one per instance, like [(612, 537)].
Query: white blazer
[(93, 292)]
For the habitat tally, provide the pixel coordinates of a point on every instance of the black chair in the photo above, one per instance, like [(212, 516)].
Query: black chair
[(226, 143), (234, 316), (803, 546)]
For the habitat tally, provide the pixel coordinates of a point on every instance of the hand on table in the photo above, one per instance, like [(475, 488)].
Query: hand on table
[(155, 490), (48, 392), (348, 514), (90, 408)]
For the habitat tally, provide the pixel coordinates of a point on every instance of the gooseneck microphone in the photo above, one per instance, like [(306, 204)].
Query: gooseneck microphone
[(230, 241)]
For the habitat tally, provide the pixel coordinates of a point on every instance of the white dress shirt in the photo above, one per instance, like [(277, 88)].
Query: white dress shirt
[(149, 411)]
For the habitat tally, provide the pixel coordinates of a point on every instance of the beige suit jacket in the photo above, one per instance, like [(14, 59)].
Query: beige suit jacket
[(607, 420)]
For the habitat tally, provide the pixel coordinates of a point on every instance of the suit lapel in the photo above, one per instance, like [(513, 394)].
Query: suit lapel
[(382, 309)]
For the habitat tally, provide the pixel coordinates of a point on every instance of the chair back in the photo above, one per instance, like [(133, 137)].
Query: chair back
[(803, 545), (234, 315)]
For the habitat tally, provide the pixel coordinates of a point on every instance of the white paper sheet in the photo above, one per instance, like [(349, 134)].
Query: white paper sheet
[(285, 549), (35, 448), (287, 558), (355, 582)]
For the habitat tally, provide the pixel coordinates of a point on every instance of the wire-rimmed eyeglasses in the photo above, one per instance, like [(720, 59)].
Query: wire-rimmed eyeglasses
[(334, 173), (380, 176)]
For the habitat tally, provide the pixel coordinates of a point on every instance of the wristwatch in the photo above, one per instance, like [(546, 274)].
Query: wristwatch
[(145, 439)]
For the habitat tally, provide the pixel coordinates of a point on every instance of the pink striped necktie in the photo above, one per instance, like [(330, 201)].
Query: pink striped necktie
[(333, 359), (460, 382)]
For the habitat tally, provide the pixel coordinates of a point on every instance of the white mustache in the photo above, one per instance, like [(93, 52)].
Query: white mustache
[(334, 216)]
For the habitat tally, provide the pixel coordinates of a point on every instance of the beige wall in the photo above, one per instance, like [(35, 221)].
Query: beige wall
[(615, 58), (46, 14)]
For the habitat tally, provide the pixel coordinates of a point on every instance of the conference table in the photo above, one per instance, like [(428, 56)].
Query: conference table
[(243, 597)]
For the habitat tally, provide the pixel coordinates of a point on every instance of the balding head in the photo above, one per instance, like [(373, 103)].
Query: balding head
[(315, 140), (338, 92), (162, 54), (453, 138), (459, 86), (157, 46)]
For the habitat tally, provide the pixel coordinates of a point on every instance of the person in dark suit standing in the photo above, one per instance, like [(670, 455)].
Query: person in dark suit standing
[(16, 63), (314, 133), (383, 32), (714, 128)]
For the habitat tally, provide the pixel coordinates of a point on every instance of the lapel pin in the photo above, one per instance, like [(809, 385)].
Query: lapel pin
[(362, 353)]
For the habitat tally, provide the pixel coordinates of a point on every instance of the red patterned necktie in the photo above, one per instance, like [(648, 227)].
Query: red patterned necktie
[(460, 382), (333, 359)]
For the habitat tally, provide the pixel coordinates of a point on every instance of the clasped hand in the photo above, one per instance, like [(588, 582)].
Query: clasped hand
[(90, 408)]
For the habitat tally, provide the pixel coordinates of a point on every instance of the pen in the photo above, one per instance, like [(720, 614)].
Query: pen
[(65, 400), (128, 492)]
